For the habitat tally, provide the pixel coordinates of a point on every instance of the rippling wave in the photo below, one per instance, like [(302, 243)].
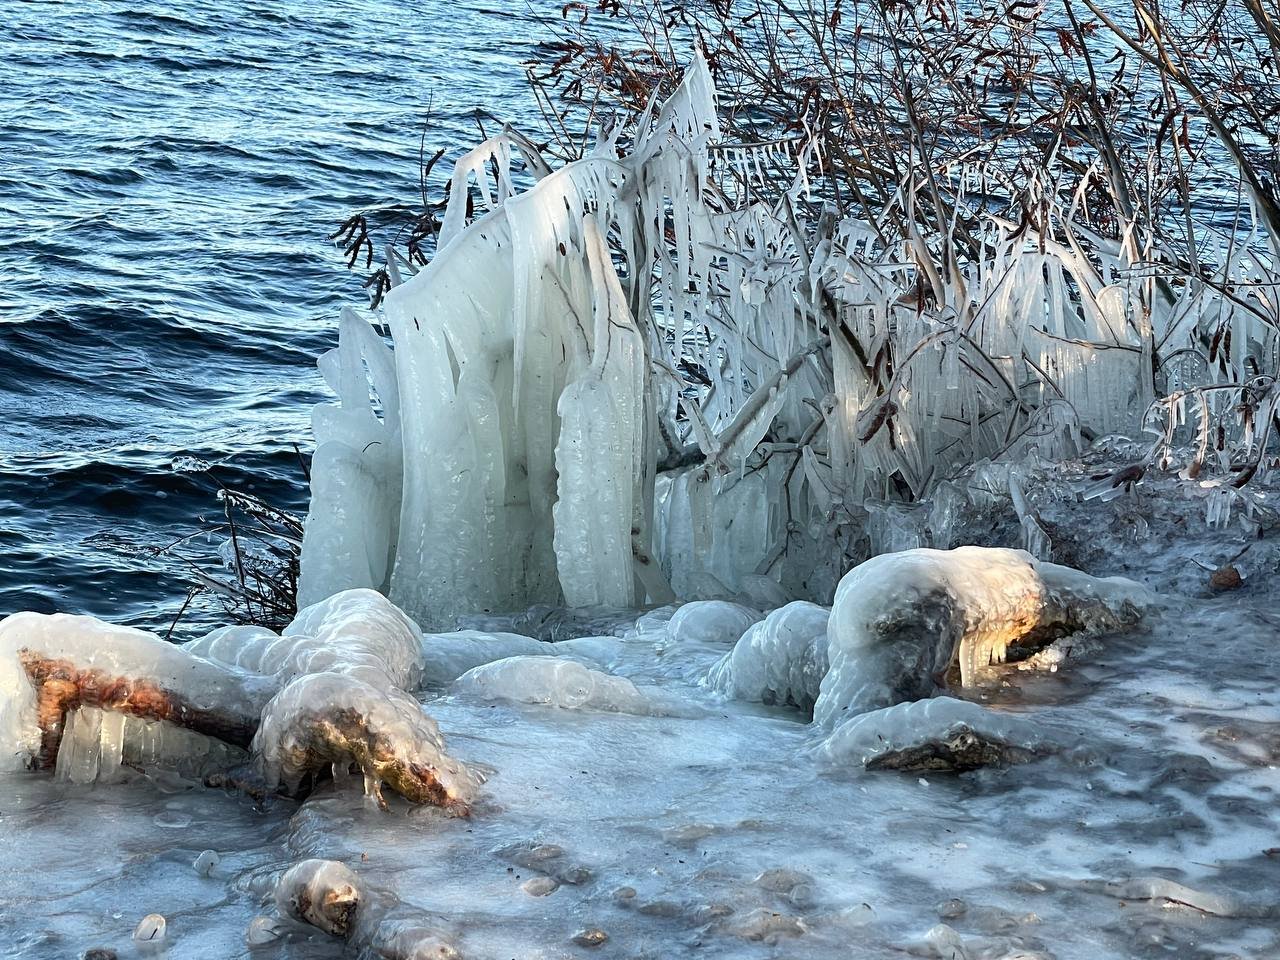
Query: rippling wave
[(168, 184)]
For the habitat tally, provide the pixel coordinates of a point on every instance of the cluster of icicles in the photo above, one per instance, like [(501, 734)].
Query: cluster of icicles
[(636, 381)]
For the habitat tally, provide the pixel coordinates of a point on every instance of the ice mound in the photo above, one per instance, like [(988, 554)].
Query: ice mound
[(782, 659), (568, 685), (942, 733), (448, 656), (900, 619), (357, 632), (716, 622)]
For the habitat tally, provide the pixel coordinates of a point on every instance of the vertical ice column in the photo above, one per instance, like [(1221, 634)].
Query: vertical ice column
[(352, 524), (598, 455)]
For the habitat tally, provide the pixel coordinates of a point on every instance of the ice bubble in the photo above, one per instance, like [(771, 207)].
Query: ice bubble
[(540, 886), (591, 937), (263, 930), (150, 929)]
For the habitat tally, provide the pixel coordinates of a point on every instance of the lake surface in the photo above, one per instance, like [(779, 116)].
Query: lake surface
[(169, 176)]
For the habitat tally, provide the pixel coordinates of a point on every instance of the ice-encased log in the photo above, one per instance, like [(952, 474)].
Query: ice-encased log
[(900, 619), (51, 665), (331, 690), (782, 659)]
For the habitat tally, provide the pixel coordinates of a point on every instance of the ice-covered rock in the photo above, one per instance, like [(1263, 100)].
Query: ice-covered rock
[(328, 719), (941, 733), (322, 893)]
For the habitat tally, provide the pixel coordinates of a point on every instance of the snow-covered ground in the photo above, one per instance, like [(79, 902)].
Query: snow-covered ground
[(655, 818)]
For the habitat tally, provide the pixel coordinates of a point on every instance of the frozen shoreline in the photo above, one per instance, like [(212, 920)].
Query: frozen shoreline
[(717, 833)]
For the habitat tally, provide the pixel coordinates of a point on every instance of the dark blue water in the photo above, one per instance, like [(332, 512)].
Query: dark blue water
[(169, 174)]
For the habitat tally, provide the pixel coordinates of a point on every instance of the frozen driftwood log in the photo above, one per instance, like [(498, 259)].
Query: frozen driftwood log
[(330, 691), (53, 665)]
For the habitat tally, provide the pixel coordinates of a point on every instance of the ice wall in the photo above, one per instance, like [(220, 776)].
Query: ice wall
[(659, 371)]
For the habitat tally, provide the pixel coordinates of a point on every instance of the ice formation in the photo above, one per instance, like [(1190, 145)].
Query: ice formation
[(782, 659), (567, 684), (938, 733), (899, 620), (656, 373), (327, 693)]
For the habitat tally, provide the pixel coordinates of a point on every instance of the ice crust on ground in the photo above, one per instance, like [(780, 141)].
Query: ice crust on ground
[(725, 831)]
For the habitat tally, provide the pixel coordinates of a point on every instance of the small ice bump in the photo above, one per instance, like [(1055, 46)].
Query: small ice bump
[(782, 880), (205, 863), (540, 886), (263, 930), (711, 622), (591, 937), (859, 915), (150, 929)]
